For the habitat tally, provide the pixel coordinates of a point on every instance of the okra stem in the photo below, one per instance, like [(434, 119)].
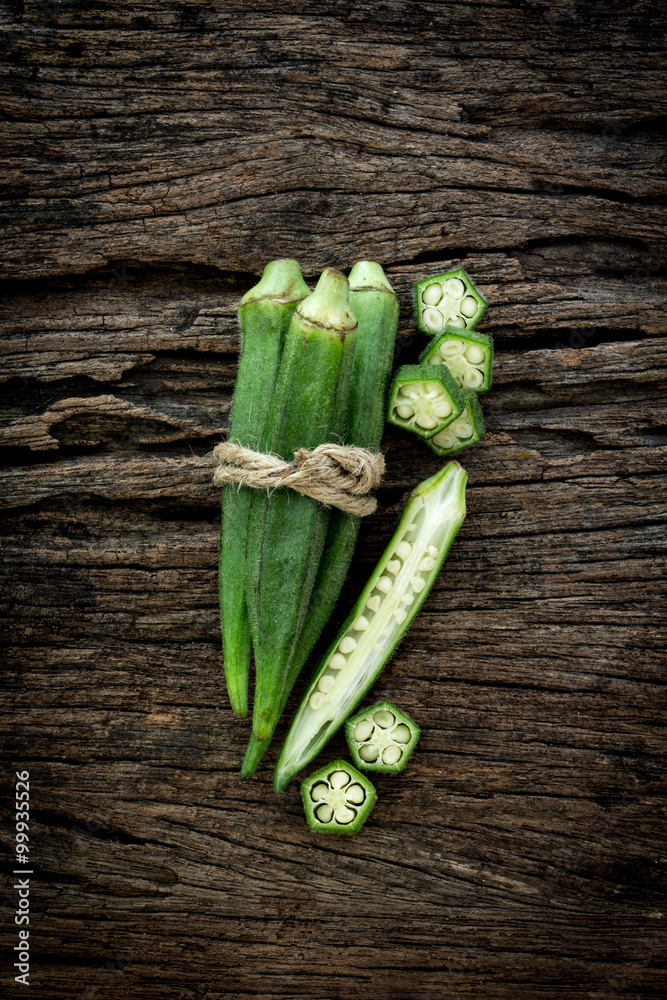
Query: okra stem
[(265, 313)]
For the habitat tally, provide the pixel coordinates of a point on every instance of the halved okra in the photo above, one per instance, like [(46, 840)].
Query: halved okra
[(462, 432), (449, 299), (381, 738), (468, 356), (424, 399), (337, 798), (387, 605)]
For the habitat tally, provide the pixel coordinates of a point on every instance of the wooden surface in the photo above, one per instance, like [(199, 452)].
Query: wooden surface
[(156, 156)]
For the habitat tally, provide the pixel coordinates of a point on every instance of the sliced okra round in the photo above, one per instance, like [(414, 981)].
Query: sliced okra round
[(381, 738), (337, 798), (466, 430), (468, 356), (424, 399), (447, 300)]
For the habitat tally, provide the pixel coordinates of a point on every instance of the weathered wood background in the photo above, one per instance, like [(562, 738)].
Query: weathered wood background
[(156, 155)]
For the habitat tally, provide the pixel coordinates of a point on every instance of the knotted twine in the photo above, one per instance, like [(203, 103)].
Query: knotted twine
[(336, 475)]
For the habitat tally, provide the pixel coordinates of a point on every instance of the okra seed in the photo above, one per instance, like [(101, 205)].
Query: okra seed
[(355, 794), (445, 408), (455, 288), (473, 378), (326, 682), (431, 551), (462, 429), (427, 563), (316, 700), (445, 439), (432, 294), (407, 391), (339, 779), (469, 306), (369, 753), (451, 348), (405, 411), (401, 734), (433, 319), (384, 584), (474, 354), (403, 550), (383, 718), (457, 322), (391, 755), (344, 815), (361, 624), (363, 731), (399, 615), (373, 603), (410, 527), (417, 584), (426, 421), (324, 813), (347, 644), (337, 661), (407, 599), (394, 566), (434, 360), (319, 792)]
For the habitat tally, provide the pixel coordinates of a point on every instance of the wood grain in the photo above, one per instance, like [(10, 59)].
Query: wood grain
[(155, 156)]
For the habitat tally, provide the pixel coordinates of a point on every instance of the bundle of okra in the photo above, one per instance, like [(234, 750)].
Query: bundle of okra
[(314, 368)]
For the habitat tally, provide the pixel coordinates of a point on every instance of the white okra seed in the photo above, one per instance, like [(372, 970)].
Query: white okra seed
[(339, 779), (473, 378), (399, 615), (457, 322), (401, 734), (326, 682), (445, 439), (410, 527), (369, 753), (407, 599), (426, 421), (373, 602), (347, 644), (391, 755), (384, 584), (319, 792), (363, 730), (403, 550), (324, 813), (443, 409), (454, 288), (394, 566), (452, 348), (433, 319), (462, 429), (405, 411), (344, 815), (469, 306), (474, 354), (431, 551), (337, 661), (316, 700), (384, 719), (355, 794), (426, 564), (360, 624), (434, 360), (417, 584), (432, 294)]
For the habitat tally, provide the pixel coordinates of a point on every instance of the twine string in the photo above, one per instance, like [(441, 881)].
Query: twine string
[(335, 475)]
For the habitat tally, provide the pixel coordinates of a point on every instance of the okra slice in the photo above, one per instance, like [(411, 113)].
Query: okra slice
[(468, 357), (447, 300), (462, 432), (337, 799), (424, 399), (381, 738), (387, 605)]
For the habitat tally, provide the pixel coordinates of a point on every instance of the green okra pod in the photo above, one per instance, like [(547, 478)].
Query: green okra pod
[(288, 530), (381, 738), (388, 603), (265, 313), (337, 799)]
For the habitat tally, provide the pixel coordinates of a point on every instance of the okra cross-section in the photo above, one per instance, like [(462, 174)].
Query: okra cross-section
[(337, 798), (462, 432), (449, 299), (468, 357), (424, 400), (381, 738)]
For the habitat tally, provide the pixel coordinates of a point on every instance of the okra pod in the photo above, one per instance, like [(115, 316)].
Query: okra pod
[(337, 799), (287, 529), (381, 738), (265, 313), (462, 432), (468, 357), (447, 300), (424, 399), (388, 603)]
